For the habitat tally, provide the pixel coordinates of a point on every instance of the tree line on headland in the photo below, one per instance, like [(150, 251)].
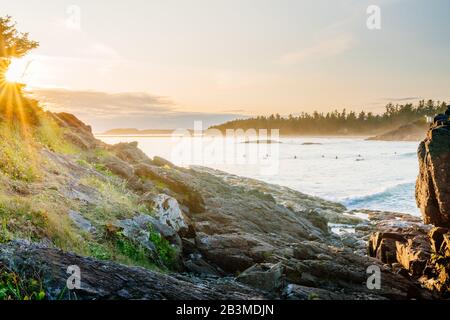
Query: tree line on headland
[(342, 123)]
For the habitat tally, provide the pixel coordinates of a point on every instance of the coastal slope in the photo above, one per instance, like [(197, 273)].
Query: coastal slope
[(409, 132)]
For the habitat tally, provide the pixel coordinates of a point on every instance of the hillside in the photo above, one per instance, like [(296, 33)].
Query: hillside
[(415, 131)]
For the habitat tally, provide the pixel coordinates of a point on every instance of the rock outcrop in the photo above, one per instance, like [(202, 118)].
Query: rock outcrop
[(111, 281), (433, 182), (416, 251)]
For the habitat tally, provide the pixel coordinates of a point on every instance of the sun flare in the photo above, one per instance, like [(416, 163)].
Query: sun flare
[(16, 71)]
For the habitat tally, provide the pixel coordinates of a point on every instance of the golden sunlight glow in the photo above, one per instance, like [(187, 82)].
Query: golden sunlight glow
[(16, 71)]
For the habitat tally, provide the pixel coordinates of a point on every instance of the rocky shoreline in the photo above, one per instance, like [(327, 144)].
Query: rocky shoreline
[(220, 236)]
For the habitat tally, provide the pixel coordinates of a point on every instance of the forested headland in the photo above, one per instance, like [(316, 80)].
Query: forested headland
[(342, 122)]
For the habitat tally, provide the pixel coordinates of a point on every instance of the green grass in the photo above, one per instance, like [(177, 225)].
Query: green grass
[(18, 157), (14, 287), (100, 251), (133, 251), (164, 249), (50, 134), (117, 201)]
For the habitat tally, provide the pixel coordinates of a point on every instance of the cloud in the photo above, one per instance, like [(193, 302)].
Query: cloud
[(401, 99), (322, 49), (129, 109)]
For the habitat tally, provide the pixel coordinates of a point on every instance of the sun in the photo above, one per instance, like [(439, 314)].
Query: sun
[(16, 71)]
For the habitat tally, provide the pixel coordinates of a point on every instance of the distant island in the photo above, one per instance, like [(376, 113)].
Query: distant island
[(134, 131)]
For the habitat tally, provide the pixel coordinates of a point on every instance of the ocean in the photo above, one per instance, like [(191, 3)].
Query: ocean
[(360, 174)]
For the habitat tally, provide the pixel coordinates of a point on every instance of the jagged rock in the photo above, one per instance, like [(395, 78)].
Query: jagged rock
[(414, 254), (268, 277), (118, 167), (70, 121), (433, 187), (174, 180), (129, 152), (169, 213), (233, 252), (436, 236), (78, 140), (80, 133), (102, 280), (382, 245)]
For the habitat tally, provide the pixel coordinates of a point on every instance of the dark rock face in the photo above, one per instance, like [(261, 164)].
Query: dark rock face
[(433, 182)]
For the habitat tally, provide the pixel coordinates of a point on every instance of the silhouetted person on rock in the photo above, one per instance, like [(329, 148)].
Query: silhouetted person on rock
[(447, 113), (442, 119)]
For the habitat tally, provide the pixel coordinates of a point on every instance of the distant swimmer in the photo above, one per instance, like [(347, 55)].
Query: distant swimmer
[(323, 156), (336, 157), (295, 157)]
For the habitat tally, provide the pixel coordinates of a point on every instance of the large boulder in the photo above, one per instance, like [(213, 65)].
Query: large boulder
[(433, 182), (169, 213)]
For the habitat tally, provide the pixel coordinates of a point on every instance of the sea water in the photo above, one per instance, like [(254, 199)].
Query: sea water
[(360, 174)]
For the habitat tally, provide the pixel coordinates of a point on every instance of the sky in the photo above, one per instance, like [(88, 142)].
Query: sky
[(166, 63)]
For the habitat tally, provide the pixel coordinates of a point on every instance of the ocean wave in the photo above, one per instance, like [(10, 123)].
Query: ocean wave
[(408, 154), (399, 190)]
